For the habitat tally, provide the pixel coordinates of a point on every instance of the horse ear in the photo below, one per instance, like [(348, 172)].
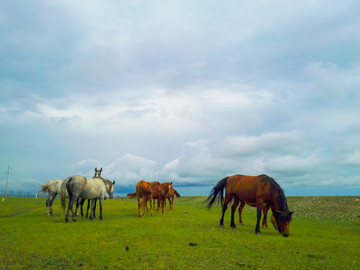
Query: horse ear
[(170, 183), (95, 169), (100, 169), (291, 212), (114, 182)]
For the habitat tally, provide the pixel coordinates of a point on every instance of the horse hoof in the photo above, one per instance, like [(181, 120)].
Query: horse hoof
[(221, 226), (233, 227), (258, 232)]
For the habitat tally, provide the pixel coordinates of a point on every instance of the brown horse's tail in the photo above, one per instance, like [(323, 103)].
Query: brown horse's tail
[(131, 195), (176, 193), (217, 191)]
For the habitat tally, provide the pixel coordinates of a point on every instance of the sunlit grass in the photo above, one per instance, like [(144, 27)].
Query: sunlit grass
[(324, 234)]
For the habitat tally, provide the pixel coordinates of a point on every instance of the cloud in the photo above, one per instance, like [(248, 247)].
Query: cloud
[(129, 169), (168, 91), (246, 145)]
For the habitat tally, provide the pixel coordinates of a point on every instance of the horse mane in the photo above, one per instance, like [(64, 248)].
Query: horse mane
[(275, 187)]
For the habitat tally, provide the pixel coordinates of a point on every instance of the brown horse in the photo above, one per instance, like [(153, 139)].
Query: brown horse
[(144, 193), (170, 196), (160, 193), (259, 191)]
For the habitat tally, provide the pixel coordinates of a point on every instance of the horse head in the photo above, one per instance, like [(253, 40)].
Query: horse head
[(110, 187), (167, 187), (283, 219), (97, 173)]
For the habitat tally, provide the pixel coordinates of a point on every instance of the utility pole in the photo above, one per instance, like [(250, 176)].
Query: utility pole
[(7, 180)]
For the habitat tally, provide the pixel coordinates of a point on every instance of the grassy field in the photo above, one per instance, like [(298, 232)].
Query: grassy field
[(324, 234)]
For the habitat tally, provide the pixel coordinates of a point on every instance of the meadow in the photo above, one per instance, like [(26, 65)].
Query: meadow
[(324, 234)]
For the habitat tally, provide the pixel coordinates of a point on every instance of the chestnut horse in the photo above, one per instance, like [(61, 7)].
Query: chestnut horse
[(144, 192), (170, 196), (160, 193), (259, 191)]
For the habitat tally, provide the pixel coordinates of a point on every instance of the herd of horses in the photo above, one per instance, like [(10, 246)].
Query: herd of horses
[(262, 192)]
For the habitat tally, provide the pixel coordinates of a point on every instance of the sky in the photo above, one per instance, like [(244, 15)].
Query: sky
[(186, 91)]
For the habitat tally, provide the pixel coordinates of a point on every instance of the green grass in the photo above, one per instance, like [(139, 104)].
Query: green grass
[(324, 234)]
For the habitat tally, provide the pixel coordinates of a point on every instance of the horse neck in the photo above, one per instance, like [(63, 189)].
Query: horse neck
[(279, 200)]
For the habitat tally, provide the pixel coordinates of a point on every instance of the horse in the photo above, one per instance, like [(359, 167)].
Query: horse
[(170, 196), (160, 193), (79, 186), (257, 191), (144, 192), (53, 189), (97, 174)]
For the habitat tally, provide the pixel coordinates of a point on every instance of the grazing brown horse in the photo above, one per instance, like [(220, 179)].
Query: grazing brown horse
[(259, 191), (160, 193), (170, 196), (144, 192)]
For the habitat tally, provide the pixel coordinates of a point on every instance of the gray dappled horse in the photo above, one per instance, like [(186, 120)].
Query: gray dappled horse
[(79, 186), (53, 189), (97, 174)]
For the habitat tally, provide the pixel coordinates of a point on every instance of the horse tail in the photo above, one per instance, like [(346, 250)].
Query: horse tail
[(44, 188), (63, 193), (131, 195), (176, 193), (217, 191)]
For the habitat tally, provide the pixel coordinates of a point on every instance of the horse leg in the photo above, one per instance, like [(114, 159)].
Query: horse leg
[(87, 208), (265, 211), (158, 206), (82, 201), (241, 207), (163, 203), (92, 210), (228, 198), (101, 201), (72, 200), (260, 207), (49, 203), (139, 206), (151, 206), (78, 203), (233, 209), (170, 205)]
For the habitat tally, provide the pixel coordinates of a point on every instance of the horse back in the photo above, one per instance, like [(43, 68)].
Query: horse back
[(93, 188), (248, 188), (143, 188)]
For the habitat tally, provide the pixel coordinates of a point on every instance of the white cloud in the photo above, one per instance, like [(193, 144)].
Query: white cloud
[(352, 159), (129, 169), (246, 145)]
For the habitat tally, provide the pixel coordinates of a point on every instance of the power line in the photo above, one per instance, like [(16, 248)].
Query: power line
[(7, 181)]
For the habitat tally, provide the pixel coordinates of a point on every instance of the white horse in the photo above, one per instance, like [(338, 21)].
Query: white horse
[(79, 186), (53, 189)]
